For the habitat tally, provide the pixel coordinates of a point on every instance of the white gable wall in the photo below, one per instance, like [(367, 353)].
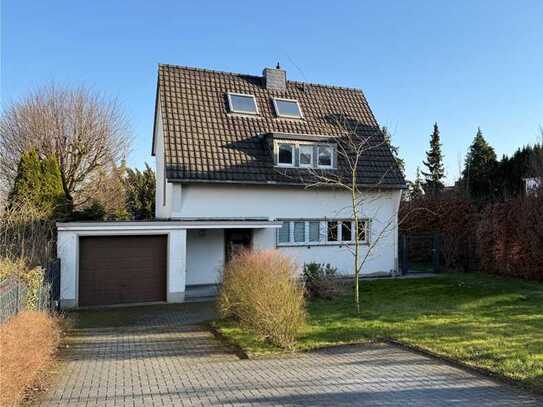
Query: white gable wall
[(163, 208)]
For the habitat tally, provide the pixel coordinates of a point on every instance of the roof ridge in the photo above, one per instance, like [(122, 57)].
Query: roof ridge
[(206, 70)]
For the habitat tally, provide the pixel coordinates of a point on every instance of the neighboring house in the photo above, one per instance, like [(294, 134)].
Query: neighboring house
[(233, 157), (532, 185)]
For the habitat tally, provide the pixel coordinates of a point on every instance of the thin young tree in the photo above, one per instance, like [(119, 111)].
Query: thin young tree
[(434, 164), (85, 130), (352, 148)]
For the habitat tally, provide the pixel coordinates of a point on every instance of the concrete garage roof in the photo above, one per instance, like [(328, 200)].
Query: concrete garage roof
[(258, 223)]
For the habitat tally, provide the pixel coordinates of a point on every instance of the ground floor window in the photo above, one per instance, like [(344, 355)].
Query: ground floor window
[(305, 232)]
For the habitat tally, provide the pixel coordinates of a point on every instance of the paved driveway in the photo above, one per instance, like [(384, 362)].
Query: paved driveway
[(160, 356)]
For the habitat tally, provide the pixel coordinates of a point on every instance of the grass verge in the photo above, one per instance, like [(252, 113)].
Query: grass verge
[(484, 322)]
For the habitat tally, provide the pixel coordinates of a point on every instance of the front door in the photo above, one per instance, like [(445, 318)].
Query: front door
[(237, 240)]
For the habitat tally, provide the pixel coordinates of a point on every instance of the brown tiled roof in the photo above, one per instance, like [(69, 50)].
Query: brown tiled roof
[(203, 142)]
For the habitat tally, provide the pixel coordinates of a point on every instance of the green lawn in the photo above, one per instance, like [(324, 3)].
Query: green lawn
[(482, 321)]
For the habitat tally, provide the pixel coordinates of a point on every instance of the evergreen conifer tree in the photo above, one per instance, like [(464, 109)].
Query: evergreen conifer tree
[(416, 190), (38, 184), (433, 178), (480, 169)]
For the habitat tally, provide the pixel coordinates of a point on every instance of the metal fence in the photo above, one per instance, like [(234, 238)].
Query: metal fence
[(16, 296)]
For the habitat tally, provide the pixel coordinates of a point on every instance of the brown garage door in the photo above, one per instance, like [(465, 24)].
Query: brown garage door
[(122, 269)]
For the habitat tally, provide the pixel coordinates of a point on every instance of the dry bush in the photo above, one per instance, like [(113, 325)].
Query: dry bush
[(320, 280), (30, 276), (25, 232), (261, 290), (28, 341)]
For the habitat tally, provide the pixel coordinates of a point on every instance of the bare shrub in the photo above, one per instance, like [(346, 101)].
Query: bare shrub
[(30, 276), (261, 291), (26, 233), (320, 280), (28, 341)]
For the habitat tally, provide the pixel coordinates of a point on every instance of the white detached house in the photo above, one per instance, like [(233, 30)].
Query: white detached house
[(233, 158)]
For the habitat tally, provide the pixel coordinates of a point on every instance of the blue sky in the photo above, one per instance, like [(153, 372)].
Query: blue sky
[(461, 63)]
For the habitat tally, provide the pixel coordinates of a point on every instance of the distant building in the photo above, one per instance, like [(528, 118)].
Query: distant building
[(532, 185)]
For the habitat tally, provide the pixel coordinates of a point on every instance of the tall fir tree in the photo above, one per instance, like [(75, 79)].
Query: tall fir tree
[(433, 178), (480, 168), (38, 185)]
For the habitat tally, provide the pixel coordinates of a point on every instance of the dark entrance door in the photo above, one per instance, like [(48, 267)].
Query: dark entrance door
[(237, 240)]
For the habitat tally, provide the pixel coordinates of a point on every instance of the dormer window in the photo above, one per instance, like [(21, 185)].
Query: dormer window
[(285, 154), (324, 156), (242, 103), (287, 108), (302, 154), (306, 155)]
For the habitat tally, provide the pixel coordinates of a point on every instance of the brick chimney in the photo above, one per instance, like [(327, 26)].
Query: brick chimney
[(275, 79)]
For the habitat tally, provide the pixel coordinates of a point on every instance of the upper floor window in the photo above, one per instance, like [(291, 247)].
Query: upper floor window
[(241, 103), (324, 156), (285, 154), (304, 155), (287, 108)]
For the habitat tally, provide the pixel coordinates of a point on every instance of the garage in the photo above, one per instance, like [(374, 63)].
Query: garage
[(122, 269)]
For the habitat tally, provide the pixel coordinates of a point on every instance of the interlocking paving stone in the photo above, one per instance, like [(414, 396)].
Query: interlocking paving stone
[(161, 357)]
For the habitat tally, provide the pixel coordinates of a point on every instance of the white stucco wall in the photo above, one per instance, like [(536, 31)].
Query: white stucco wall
[(205, 256), (163, 208), (278, 202)]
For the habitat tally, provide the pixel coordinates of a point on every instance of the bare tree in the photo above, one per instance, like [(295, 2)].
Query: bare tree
[(87, 131), (352, 147)]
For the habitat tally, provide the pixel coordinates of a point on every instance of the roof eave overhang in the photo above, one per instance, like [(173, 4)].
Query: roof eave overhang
[(279, 183), (166, 225), (157, 101)]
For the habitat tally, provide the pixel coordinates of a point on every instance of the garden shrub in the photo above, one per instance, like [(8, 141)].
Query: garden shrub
[(260, 289), (32, 277), (320, 280), (28, 342), (510, 238), (453, 218)]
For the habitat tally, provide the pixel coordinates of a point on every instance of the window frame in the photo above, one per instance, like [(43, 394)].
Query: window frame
[(293, 156), (231, 105), (288, 223), (311, 164), (288, 116), (349, 223), (323, 232), (304, 228), (297, 145), (332, 155)]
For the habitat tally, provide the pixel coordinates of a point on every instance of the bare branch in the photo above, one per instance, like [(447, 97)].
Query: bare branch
[(86, 131)]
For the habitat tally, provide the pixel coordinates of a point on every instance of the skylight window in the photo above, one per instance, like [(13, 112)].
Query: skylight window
[(241, 103), (287, 108)]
